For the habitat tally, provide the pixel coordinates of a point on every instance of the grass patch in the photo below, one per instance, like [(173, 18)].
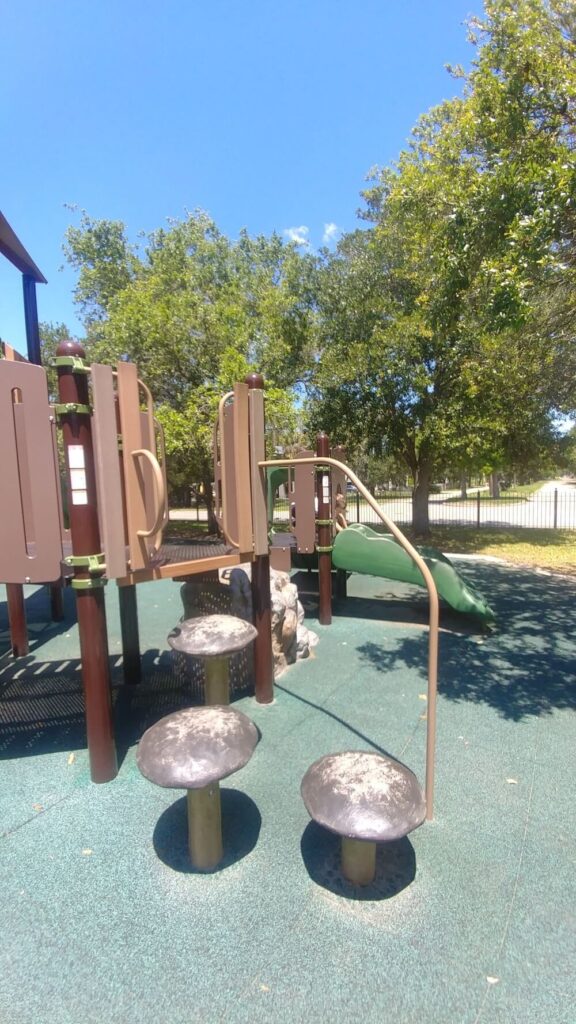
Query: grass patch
[(554, 550), (519, 492)]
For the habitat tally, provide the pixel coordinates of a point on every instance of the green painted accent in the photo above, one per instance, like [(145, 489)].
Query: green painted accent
[(91, 584), (78, 365), (68, 407), (324, 550), (323, 522), (360, 549), (94, 563)]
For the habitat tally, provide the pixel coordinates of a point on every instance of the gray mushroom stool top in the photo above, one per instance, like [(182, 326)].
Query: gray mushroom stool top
[(193, 749), (214, 638), (366, 798)]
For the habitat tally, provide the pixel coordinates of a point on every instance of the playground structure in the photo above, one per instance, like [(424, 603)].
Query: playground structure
[(12, 249), (353, 547), (117, 509)]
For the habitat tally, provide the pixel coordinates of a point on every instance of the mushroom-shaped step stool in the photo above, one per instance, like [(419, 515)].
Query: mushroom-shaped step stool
[(366, 798), (213, 638), (193, 749)]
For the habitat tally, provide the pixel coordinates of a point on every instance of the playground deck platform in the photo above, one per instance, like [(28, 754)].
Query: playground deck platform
[(470, 920)]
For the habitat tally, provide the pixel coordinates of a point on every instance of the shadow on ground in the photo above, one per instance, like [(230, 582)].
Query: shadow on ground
[(42, 703), (241, 823), (395, 865), (40, 626), (526, 666)]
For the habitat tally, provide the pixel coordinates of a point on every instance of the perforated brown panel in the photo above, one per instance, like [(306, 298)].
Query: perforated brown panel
[(30, 548)]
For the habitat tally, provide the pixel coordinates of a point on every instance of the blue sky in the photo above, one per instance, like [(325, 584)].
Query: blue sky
[(267, 116)]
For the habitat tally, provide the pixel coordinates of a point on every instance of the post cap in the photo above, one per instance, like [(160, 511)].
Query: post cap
[(254, 380), (70, 347)]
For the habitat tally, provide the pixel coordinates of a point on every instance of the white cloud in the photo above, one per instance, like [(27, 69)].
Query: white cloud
[(330, 232), (298, 235)]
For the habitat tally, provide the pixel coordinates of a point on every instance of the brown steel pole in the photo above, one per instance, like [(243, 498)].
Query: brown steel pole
[(85, 533), (262, 609), (17, 619), (324, 523)]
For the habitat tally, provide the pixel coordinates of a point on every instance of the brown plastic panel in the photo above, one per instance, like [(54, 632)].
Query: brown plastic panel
[(258, 476), (228, 470), (65, 533), (242, 467), (130, 422), (304, 495), (27, 450), (337, 477), (108, 474)]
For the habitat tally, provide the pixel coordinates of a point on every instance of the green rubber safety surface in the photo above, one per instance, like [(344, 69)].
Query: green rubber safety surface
[(470, 919)]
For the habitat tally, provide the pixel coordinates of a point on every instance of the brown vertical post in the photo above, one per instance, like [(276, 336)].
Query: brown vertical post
[(17, 619), (262, 608), (324, 523), (85, 533), (130, 634)]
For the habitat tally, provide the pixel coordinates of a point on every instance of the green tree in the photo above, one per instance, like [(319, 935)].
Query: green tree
[(196, 312), (438, 330)]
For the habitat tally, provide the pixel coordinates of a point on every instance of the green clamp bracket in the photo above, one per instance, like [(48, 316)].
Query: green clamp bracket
[(322, 469), (324, 550), (93, 563), (72, 407), (93, 584), (324, 522), (78, 365)]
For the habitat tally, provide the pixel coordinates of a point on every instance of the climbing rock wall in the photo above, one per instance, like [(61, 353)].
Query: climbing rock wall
[(232, 594)]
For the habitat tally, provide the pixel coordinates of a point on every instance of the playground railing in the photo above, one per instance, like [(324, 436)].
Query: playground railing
[(433, 631)]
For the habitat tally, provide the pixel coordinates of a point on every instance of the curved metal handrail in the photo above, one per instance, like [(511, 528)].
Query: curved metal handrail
[(325, 460), (220, 430), (160, 491)]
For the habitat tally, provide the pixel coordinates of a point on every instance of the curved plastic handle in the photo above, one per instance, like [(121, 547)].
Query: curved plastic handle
[(160, 492)]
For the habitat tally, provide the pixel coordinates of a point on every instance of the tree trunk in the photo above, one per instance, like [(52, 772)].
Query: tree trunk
[(463, 486), (420, 517), (494, 485)]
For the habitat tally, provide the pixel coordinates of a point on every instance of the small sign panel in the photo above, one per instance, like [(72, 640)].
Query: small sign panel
[(78, 479), (76, 458), (77, 465)]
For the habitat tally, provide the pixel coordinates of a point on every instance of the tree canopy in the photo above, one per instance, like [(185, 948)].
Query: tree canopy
[(447, 327), (197, 312), (441, 334)]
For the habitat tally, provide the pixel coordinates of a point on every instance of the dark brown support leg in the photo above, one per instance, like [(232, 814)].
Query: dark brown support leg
[(96, 683), (17, 619), (85, 533), (324, 544), (130, 634), (56, 602), (341, 585), (262, 618)]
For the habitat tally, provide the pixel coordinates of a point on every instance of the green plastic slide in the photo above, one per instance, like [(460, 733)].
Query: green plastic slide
[(360, 549)]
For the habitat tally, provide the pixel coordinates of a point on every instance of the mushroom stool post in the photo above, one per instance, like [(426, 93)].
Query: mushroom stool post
[(193, 749), (213, 638), (366, 798)]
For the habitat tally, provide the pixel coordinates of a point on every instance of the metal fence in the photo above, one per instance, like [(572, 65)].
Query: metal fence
[(553, 509)]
